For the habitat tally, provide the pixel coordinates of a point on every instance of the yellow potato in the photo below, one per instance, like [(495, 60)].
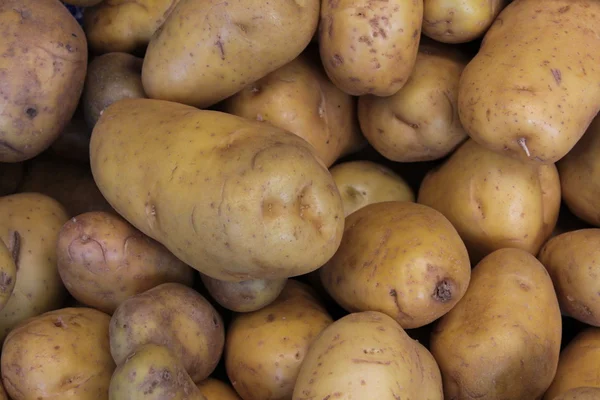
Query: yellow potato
[(367, 355), (502, 340), (208, 50), (214, 389), (370, 47), (244, 296), (8, 272), (527, 93), (235, 199), (580, 393)]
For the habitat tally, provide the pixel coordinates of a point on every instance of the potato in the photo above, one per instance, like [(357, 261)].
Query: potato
[(494, 201), (400, 258), (103, 261), (580, 176), (124, 26), (530, 92), (3, 395), (29, 226), (370, 47), (244, 296), (62, 354), (580, 393), (8, 270), (12, 174), (175, 316), (42, 71), (208, 50), (361, 183), (73, 143), (152, 373), (484, 348), (235, 199), (459, 21), (419, 122), (111, 77), (214, 389), (299, 98), (367, 355)]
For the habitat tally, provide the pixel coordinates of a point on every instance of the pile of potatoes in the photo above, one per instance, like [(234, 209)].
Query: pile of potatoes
[(300, 200)]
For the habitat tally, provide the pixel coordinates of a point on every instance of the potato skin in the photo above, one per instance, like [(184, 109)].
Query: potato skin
[(367, 355), (244, 296), (175, 316), (235, 199), (265, 349), (400, 258), (65, 353), (484, 348), (522, 95), (8, 272), (580, 393), (370, 47), (214, 389), (209, 50), (42, 73), (419, 122), (103, 261)]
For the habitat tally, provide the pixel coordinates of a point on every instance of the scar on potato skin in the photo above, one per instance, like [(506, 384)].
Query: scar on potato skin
[(401, 312), (14, 246), (443, 291), (5, 281), (557, 75)]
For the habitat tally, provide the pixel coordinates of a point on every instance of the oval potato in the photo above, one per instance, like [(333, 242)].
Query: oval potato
[(244, 296), (214, 389)]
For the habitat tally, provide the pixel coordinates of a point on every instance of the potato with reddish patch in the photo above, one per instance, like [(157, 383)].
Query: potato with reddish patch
[(400, 258), (103, 261), (244, 296), (580, 393), (367, 355), (502, 340), (265, 349), (8, 271), (62, 354), (214, 389)]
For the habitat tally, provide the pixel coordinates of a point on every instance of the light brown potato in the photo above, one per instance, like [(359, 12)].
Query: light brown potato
[(459, 21), (526, 93), (580, 393), (111, 77), (485, 348), (124, 26), (419, 122), (29, 226), (12, 174), (42, 70), (494, 201), (244, 296), (73, 143), (370, 47), (62, 354), (235, 199), (300, 98), (364, 182), (171, 315), (214, 389), (367, 355), (103, 261), (580, 176), (8, 271), (265, 349), (152, 372), (579, 364), (209, 50)]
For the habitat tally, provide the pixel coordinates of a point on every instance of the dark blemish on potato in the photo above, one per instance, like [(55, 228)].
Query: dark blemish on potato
[(327, 397), (219, 44), (31, 112), (443, 291), (557, 75), (59, 323), (270, 318), (14, 246), (337, 60), (524, 286), (415, 34), (69, 48), (564, 9), (5, 281)]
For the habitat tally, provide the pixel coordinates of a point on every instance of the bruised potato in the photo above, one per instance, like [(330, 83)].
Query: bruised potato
[(244, 296), (103, 261), (8, 270), (214, 389), (580, 393)]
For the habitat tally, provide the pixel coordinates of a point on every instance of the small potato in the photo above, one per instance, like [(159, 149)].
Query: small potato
[(502, 340), (103, 261), (265, 349), (419, 122), (244, 296), (111, 77), (8, 271), (214, 389), (175, 316), (152, 372), (580, 393), (370, 47), (73, 143), (367, 355), (400, 258), (62, 354), (12, 174), (361, 183)]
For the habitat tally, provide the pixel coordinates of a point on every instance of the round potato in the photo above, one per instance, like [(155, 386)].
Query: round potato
[(8, 270), (419, 122), (361, 183), (62, 354), (244, 296), (214, 389), (171, 315), (580, 393), (111, 77), (42, 70), (370, 47), (12, 174), (74, 142), (103, 261)]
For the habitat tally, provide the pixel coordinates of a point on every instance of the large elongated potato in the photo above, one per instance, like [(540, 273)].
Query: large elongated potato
[(207, 50), (370, 47), (235, 199), (42, 70), (485, 348), (532, 89)]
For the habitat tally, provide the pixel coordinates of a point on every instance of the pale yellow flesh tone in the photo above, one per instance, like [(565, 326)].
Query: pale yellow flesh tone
[(214, 389)]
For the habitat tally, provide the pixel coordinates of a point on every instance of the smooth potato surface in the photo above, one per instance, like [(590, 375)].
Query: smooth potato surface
[(244, 296), (214, 389)]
